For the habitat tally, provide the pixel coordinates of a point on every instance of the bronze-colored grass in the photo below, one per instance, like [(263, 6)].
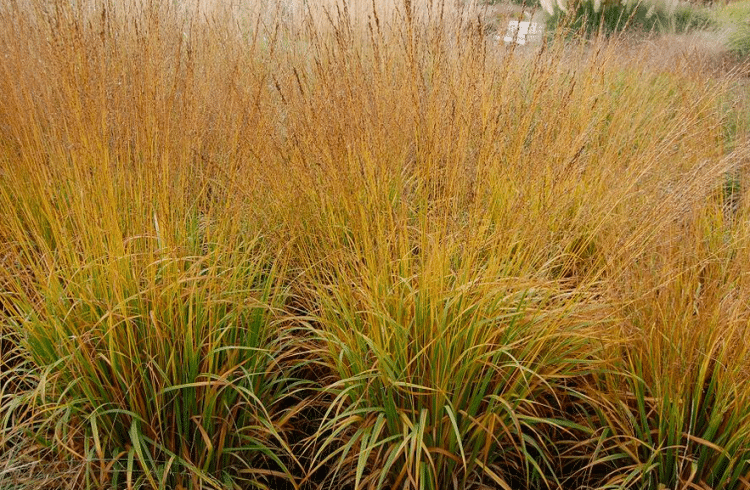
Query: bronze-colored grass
[(361, 245)]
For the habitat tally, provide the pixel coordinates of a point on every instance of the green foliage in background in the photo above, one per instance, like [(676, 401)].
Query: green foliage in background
[(642, 17)]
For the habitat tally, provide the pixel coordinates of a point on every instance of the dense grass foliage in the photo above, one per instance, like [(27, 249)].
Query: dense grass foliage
[(608, 18), (361, 246), (735, 17)]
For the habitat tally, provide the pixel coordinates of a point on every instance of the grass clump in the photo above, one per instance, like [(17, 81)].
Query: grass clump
[(739, 40), (157, 364), (447, 374), (685, 383), (591, 18), (179, 374), (734, 17)]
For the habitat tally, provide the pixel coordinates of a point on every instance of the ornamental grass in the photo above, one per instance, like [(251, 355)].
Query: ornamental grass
[(361, 245)]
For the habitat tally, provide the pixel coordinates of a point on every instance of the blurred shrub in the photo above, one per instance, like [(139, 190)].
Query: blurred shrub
[(591, 17), (739, 40)]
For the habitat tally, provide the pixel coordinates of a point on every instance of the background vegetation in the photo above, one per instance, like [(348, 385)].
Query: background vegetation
[(736, 16), (642, 17), (363, 247)]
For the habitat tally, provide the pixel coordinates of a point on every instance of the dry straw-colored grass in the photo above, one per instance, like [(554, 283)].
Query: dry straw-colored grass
[(362, 246)]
